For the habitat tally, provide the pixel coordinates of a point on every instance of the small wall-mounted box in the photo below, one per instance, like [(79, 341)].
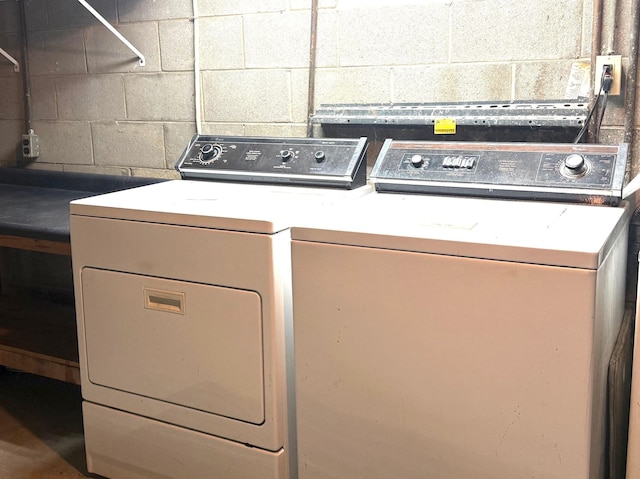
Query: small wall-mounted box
[(30, 145)]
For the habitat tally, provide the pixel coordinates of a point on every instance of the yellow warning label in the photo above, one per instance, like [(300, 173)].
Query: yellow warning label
[(444, 126)]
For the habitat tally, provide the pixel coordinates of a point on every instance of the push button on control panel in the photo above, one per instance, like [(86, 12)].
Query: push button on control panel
[(459, 162)]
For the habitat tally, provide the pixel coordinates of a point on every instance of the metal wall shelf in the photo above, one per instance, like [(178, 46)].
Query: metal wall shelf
[(118, 35), (572, 113)]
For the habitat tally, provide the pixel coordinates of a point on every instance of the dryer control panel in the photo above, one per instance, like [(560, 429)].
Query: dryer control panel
[(585, 173), (299, 161)]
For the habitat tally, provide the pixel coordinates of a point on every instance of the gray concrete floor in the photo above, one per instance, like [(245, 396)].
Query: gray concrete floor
[(40, 428)]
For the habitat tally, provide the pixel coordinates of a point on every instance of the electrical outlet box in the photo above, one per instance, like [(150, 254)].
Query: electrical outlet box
[(616, 71), (30, 145)]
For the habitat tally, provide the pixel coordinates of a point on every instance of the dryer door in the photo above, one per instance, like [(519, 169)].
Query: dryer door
[(188, 344)]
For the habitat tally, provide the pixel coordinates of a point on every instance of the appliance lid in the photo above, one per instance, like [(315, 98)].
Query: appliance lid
[(557, 234), (229, 206)]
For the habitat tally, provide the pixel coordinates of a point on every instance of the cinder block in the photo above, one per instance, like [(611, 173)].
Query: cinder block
[(277, 40), (302, 4), (288, 130), (36, 17), (448, 83), (542, 80), (587, 26), (139, 145), (43, 98), (299, 95), (67, 142), (155, 173), (66, 14), (150, 10), (235, 7), (226, 129), (9, 17), (56, 52), (176, 139), (100, 170), (10, 132), (162, 97), (11, 98), (327, 41), (353, 85), (107, 54), (351, 4), (221, 43), (247, 95), (403, 35), (502, 30), (90, 97), (43, 166), (176, 45)]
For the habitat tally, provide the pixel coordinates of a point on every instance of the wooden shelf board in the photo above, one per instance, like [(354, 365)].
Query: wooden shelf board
[(39, 337)]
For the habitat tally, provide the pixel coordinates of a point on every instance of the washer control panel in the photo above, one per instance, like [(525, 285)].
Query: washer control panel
[(300, 161), (559, 172)]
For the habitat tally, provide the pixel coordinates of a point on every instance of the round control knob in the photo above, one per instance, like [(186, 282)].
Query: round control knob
[(574, 166), (320, 156), (574, 162), (286, 155), (209, 152), (417, 161)]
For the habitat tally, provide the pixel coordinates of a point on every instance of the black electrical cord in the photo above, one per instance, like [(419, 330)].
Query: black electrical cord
[(604, 108), (586, 122), (606, 79), (607, 82)]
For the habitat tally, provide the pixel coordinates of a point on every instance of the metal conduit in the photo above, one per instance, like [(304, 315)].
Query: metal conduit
[(26, 77), (312, 66), (631, 88)]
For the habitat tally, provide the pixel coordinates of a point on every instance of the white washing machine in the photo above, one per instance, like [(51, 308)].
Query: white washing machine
[(454, 329), (184, 308)]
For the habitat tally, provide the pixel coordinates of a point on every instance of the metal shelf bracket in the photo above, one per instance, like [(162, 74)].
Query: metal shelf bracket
[(118, 35), (16, 66)]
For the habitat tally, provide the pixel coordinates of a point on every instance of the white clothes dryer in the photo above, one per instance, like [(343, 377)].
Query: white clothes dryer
[(448, 327), (184, 308)]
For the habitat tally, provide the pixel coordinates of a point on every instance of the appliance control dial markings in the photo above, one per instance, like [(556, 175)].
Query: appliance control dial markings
[(209, 153)]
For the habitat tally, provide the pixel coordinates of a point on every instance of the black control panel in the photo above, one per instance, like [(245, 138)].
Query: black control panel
[(299, 161), (586, 173)]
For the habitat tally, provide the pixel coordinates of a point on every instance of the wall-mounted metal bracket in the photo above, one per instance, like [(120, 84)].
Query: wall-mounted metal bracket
[(110, 27), (16, 66), (565, 113)]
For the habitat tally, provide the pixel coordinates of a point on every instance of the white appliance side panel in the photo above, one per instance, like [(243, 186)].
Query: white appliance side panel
[(633, 448), (124, 446), (190, 344), (230, 259), (415, 365)]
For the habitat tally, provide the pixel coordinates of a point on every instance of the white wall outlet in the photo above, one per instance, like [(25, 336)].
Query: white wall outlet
[(30, 145), (616, 62)]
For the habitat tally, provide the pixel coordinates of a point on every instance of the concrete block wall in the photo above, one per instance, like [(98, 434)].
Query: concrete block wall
[(96, 109)]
